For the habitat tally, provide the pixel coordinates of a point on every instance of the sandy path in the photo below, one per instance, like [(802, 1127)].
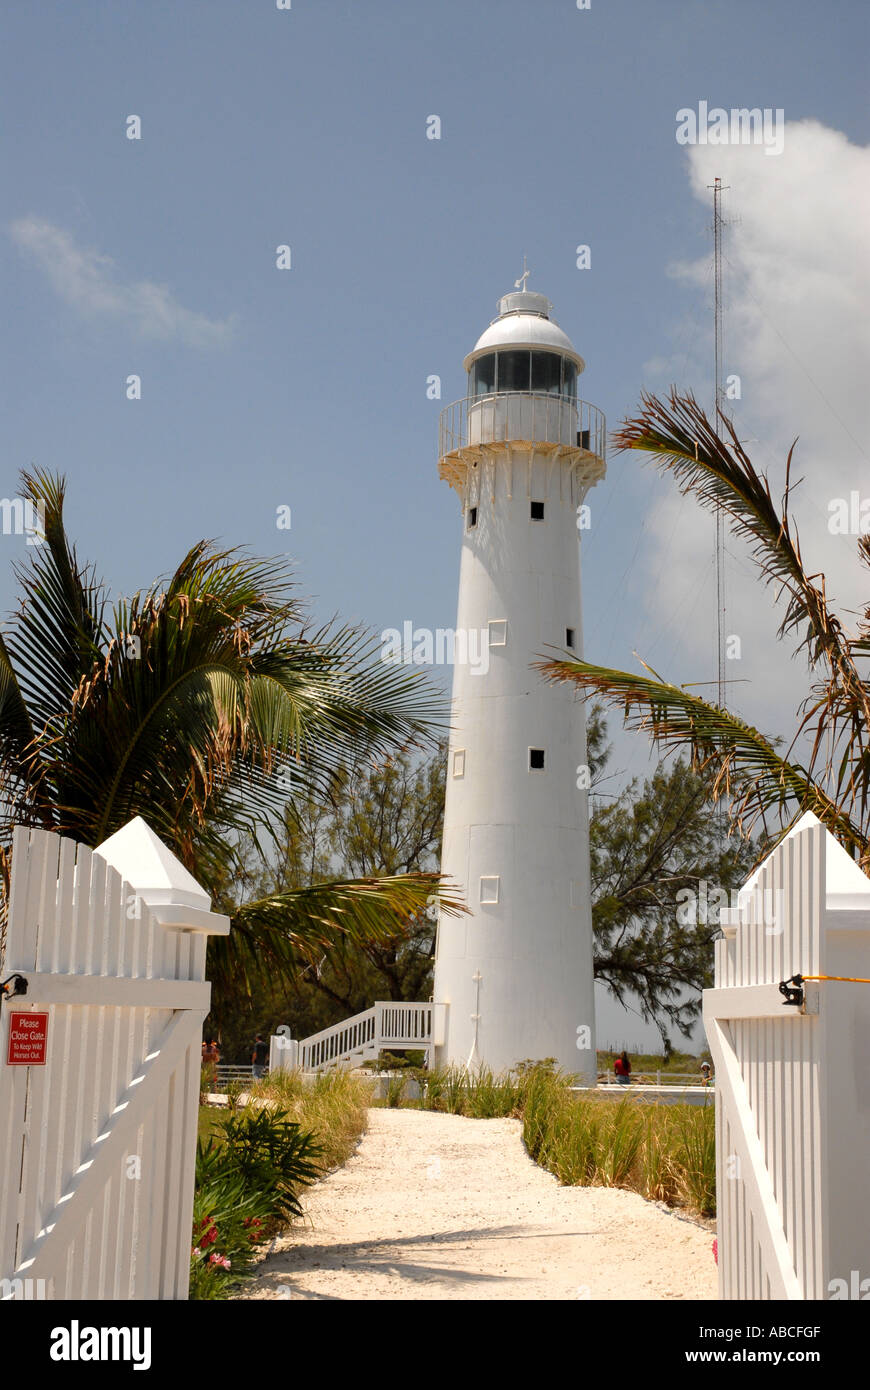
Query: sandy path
[(437, 1206)]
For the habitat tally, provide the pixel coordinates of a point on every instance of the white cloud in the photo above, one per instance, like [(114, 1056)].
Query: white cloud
[(797, 281), (88, 281)]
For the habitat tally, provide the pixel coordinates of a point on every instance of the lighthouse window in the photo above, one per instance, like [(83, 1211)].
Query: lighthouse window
[(489, 888), (536, 759), (569, 637), (459, 763), (514, 371), (537, 511), (483, 375), (546, 373), (497, 628), (472, 518), (569, 378)]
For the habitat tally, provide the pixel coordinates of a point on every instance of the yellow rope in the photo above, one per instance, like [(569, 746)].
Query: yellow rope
[(852, 979)]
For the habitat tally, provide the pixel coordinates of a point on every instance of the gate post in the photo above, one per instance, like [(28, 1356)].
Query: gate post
[(792, 1075)]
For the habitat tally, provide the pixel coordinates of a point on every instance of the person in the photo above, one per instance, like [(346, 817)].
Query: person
[(209, 1067), (706, 1070), (259, 1056), (622, 1067)]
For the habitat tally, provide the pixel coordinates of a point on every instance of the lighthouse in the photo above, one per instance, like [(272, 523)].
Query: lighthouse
[(520, 451)]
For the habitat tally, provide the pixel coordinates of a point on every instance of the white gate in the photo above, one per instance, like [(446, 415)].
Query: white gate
[(792, 1067), (97, 1146)]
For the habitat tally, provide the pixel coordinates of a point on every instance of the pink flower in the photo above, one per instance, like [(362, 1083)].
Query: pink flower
[(715, 1249), (222, 1260)]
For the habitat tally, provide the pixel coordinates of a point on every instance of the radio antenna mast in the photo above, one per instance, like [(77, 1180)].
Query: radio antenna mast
[(718, 400)]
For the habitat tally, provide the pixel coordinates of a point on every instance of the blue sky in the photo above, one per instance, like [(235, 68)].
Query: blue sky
[(307, 387)]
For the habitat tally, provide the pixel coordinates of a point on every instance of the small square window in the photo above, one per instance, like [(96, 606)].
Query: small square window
[(472, 518), (497, 632), (577, 893), (536, 759), (489, 889), (537, 511), (459, 763), (569, 638)]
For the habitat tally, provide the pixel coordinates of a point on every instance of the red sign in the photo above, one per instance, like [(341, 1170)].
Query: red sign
[(28, 1035)]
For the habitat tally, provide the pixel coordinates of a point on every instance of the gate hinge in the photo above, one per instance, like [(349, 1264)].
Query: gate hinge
[(793, 990), (12, 985)]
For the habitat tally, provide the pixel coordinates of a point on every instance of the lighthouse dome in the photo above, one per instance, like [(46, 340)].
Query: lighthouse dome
[(524, 322)]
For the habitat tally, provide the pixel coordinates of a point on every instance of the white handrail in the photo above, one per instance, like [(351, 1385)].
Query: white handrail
[(389, 1023)]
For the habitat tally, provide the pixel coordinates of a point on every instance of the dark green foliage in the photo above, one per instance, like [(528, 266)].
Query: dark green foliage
[(384, 823), (248, 1176), (229, 1219), (653, 841), (271, 1154)]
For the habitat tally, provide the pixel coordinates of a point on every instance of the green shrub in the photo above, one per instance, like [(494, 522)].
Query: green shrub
[(395, 1091), (272, 1154), (334, 1108), (489, 1097), (657, 1168), (695, 1131), (455, 1090), (432, 1089), (617, 1145), (251, 1165), (228, 1222), (235, 1091), (667, 1153)]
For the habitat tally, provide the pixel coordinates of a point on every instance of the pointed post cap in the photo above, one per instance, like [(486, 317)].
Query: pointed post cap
[(143, 861), (846, 885)]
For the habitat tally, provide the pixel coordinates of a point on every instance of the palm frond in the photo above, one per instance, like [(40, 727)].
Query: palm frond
[(719, 473), (278, 933), (748, 769), (59, 628)]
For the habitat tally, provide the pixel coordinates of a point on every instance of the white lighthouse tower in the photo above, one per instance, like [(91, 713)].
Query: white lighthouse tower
[(521, 451)]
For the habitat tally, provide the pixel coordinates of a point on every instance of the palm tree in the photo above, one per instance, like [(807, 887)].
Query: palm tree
[(190, 705), (833, 777)]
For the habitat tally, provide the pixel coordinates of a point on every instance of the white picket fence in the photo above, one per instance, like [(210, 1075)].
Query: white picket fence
[(97, 1146), (793, 1078), (385, 1026)]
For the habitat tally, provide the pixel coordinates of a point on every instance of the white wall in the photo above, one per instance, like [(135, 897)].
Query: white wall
[(533, 948)]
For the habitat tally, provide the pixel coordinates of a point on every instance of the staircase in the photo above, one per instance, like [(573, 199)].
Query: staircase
[(384, 1027)]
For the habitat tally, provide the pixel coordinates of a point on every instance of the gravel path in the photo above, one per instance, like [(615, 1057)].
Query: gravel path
[(438, 1206)]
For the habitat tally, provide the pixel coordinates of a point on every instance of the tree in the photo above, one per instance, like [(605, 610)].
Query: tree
[(385, 819), (746, 767), (654, 848), (187, 705)]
